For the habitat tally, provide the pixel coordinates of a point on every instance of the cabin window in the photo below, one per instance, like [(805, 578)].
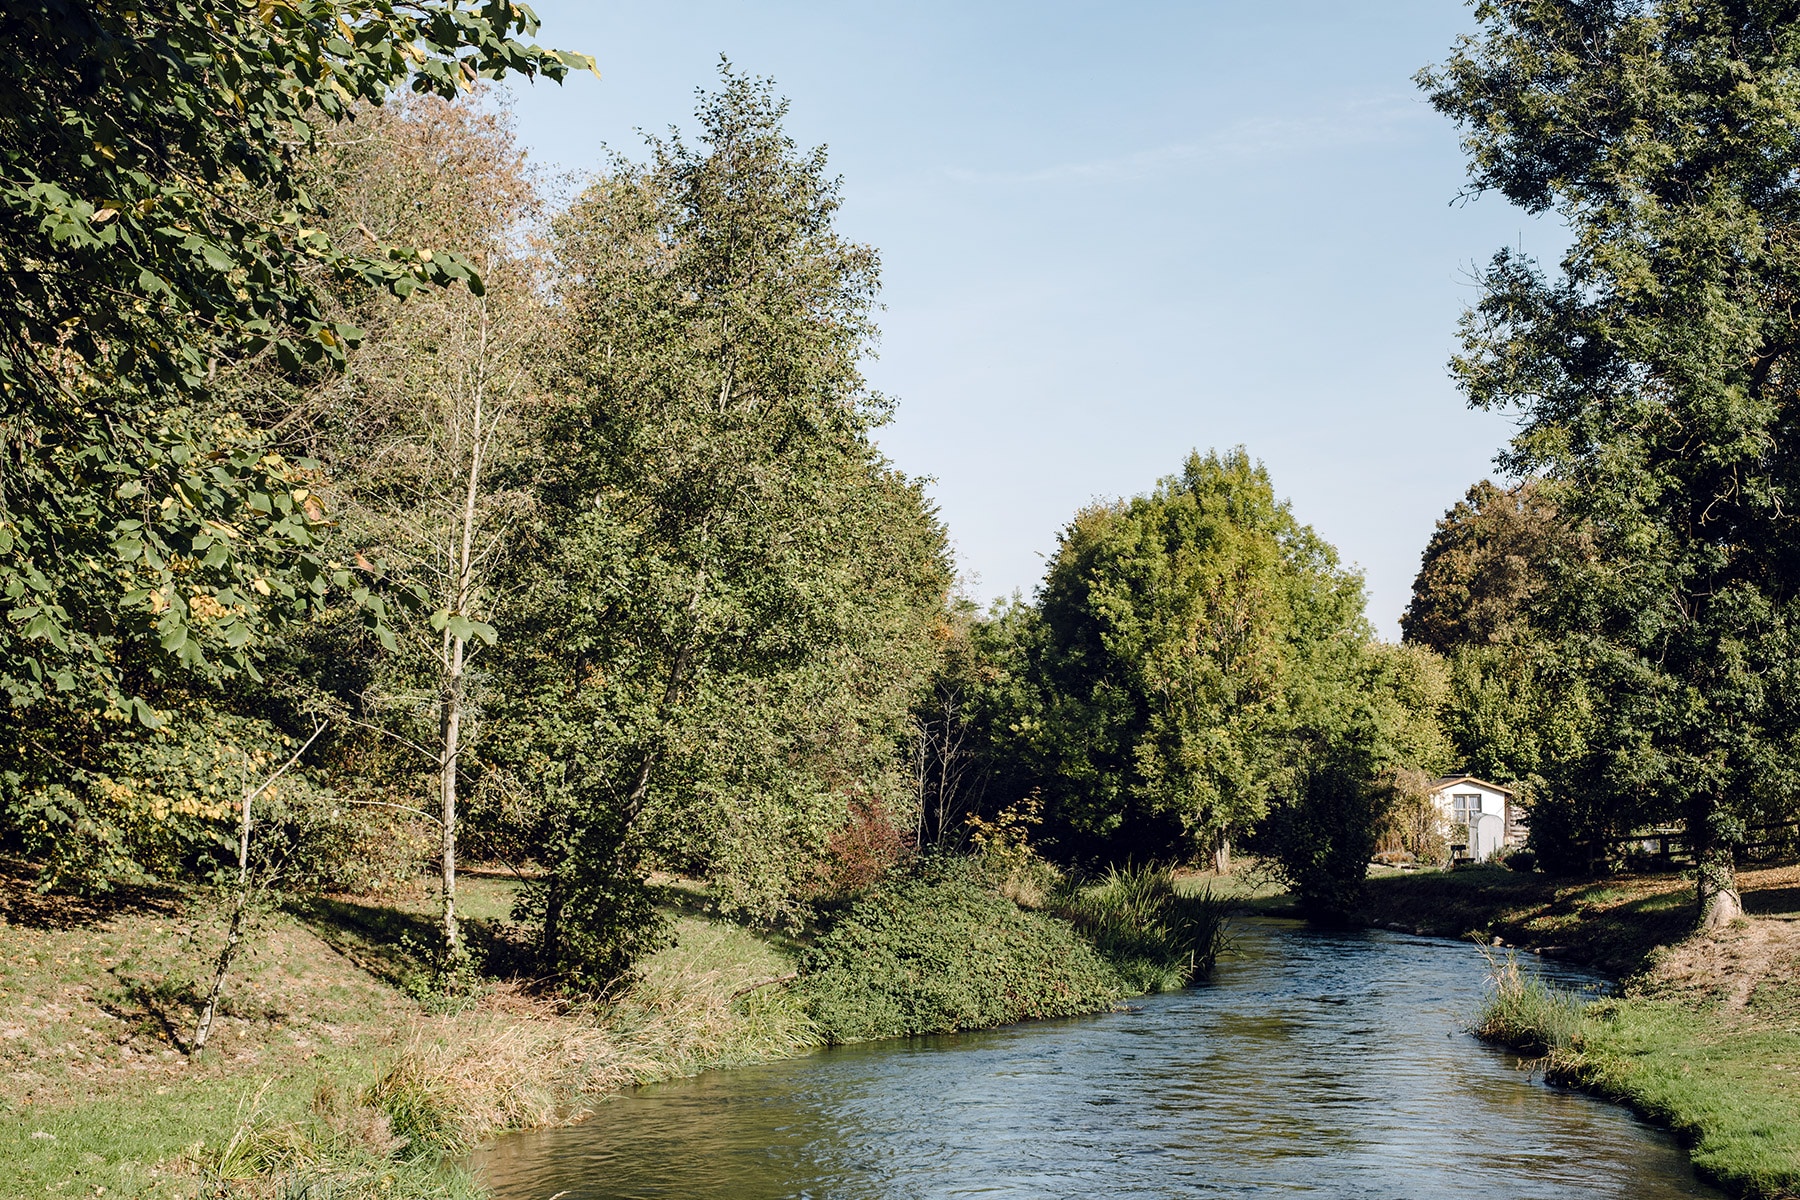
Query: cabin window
[(1466, 806)]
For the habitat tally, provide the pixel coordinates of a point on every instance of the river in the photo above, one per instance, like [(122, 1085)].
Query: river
[(1314, 1064)]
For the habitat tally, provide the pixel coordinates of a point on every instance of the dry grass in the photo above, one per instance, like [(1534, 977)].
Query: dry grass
[(324, 1074)]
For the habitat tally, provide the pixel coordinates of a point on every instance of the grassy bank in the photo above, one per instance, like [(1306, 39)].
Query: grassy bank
[(335, 1068), (332, 1065), (1704, 1036)]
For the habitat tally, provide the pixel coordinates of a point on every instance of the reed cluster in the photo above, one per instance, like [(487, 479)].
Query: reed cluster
[(1158, 937)]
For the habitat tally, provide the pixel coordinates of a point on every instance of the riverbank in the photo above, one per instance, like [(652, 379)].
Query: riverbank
[(1704, 1035), (335, 1062), (332, 1061)]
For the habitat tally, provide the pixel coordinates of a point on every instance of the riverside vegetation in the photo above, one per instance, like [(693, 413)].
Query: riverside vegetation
[(373, 504), (1704, 1031), (340, 1068)]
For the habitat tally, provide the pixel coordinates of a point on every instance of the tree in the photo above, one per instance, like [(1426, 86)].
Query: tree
[(1367, 719), (1516, 711), (425, 436), (1490, 557), (729, 601), (152, 231), (1656, 378), (1171, 634)]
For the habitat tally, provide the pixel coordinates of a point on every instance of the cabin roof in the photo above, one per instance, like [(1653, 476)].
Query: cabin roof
[(1444, 781)]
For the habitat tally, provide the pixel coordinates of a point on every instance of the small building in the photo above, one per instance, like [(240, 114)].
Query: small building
[(1484, 818)]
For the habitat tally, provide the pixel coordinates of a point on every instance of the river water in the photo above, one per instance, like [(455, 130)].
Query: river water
[(1315, 1064)]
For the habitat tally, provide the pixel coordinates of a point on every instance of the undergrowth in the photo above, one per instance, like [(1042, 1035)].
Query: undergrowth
[(939, 949), (1158, 938)]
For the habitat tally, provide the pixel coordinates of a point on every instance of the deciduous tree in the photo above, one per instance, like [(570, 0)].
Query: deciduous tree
[(1656, 378)]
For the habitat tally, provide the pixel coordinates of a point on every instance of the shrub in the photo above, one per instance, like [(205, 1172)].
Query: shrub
[(1521, 860), (1155, 937), (936, 950), (1319, 837), (1525, 1013)]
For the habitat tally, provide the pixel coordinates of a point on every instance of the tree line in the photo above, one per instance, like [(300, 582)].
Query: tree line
[(553, 532)]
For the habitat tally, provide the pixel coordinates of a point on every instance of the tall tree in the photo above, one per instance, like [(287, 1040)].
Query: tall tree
[(153, 229), (1656, 376), (1490, 556), (733, 592), (1172, 631), (424, 437)]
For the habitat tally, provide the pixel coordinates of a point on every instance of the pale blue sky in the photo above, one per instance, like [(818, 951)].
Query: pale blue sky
[(1114, 232)]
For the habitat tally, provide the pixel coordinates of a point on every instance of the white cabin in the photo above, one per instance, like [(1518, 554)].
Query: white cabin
[(1482, 816)]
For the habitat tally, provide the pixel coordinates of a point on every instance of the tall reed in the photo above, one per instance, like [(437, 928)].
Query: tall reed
[(1526, 1013), (1155, 936)]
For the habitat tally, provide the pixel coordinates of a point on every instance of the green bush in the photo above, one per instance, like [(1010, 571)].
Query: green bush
[(1521, 860), (937, 950), (1155, 937)]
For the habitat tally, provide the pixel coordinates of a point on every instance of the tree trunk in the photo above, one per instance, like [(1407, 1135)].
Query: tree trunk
[(447, 796), (1715, 886), (462, 599), (233, 931), (240, 904), (1222, 856)]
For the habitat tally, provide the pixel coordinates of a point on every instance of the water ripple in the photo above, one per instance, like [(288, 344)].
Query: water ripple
[(1317, 1065)]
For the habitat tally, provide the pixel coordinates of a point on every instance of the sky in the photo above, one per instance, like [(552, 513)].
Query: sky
[(1114, 233)]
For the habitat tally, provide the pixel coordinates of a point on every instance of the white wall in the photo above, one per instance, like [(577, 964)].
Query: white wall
[(1487, 827)]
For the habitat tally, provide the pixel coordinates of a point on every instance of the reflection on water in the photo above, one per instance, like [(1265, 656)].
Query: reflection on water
[(1326, 1064)]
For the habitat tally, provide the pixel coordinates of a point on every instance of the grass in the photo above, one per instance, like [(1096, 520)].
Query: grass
[(325, 1077), (1159, 936), (335, 1071), (1705, 1035), (1525, 1012), (1617, 925)]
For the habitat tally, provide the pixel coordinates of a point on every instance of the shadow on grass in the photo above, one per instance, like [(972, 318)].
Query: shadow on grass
[(1772, 902), (21, 903), (398, 947), (161, 1009)]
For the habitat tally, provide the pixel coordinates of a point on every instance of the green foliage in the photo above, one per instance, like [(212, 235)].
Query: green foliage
[(157, 233), (1520, 710), (1491, 556), (1321, 836), (1656, 381), (163, 803), (594, 910), (1374, 716), (1154, 682), (725, 617), (1157, 937), (938, 950), (151, 225)]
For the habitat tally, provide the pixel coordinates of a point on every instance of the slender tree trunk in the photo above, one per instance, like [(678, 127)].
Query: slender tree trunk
[(455, 652), (1222, 856), (240, 902), (233, 931), (452, 734)]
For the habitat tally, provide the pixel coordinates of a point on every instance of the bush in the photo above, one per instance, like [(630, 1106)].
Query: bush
[(1525, 1013), (1319, 838), (937, 950), (1155, 937), (1521, 860)]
